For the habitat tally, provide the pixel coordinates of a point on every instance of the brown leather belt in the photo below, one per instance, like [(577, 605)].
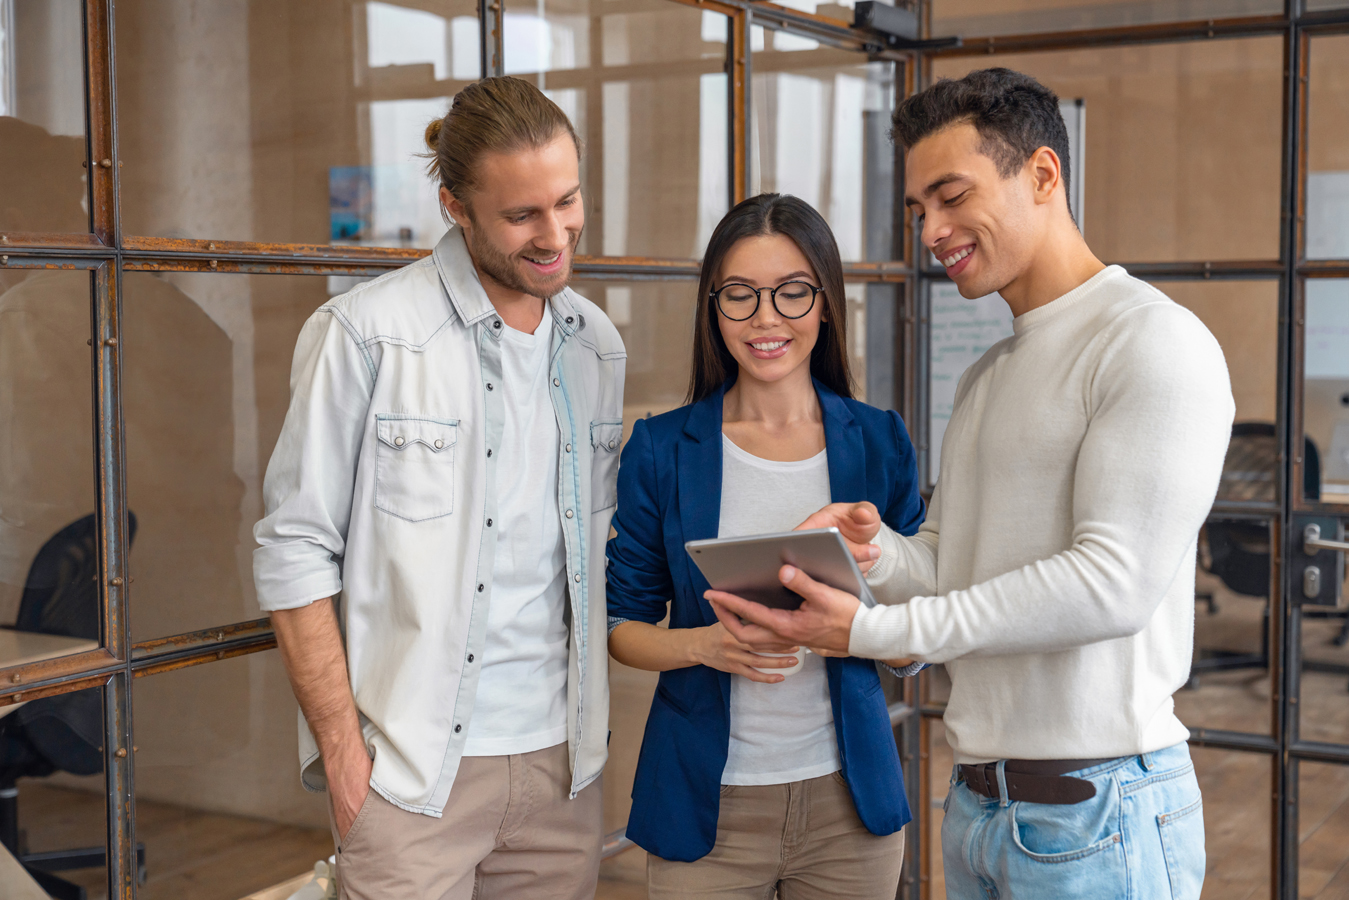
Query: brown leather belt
[(1034, 780)]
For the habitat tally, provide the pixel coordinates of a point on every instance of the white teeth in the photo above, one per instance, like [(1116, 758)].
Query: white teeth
[(544, 262), (770, 345), (957, 257)]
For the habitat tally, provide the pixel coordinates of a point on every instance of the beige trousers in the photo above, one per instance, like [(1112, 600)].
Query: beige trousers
[(508, 831), (802, 840)]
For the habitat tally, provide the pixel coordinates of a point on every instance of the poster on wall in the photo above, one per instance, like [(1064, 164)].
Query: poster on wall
[(960, 332)]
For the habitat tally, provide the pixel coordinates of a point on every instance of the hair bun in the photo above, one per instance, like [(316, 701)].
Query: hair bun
[(433, 134)]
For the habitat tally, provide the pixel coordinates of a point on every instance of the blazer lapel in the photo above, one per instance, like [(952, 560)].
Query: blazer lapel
[(699, 476), (847, 456)]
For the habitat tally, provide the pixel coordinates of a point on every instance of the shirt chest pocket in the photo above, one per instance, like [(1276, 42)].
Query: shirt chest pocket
[(414, 466), (605, 439)]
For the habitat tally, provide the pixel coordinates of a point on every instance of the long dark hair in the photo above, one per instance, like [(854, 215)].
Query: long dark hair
[(795, 218)]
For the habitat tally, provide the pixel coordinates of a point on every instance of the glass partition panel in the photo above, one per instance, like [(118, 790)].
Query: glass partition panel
[(644, 83), (1328, 149), (1325, 390), (1237, 790), (974, 18), (219, 804), (959, 332), (53, 816), (44, 183), (821, 120), (1229, 684), (1323, 831), (48, 534), (205, 386), (293, 121), (1169, 129), (1323, 704), (655, 319)]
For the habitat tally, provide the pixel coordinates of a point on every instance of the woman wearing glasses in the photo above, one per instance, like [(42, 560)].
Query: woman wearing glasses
[(763, 767)]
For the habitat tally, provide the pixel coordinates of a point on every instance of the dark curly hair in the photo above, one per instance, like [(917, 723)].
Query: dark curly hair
[(1014, 114)]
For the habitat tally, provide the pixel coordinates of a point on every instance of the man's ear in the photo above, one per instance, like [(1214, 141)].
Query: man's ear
[(457, 209), (1046, 173)]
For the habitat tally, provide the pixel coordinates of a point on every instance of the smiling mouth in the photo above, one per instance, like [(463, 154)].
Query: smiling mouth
[(768, 346), (956, 257), (545, 262)]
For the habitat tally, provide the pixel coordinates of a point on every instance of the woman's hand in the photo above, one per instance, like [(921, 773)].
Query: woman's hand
[(715, 647)]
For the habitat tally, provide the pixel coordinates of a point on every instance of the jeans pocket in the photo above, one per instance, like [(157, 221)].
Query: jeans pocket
[(414, 466), (1182, 834), (1070, 854)]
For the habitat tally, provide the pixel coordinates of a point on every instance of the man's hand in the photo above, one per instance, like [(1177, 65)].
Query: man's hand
[(348, 786), (316, 662), (859, 523), (824, 620)]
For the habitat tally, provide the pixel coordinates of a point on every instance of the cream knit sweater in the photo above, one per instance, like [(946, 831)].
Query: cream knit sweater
[(1055, 573)]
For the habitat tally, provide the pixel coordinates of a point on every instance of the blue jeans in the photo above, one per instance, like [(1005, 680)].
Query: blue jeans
[(1140, 838)]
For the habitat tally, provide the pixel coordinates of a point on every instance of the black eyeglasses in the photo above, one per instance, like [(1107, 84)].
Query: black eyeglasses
[(739, 302)]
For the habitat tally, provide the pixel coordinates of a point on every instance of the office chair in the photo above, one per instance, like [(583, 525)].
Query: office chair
[(1239, 550), (62, 733)]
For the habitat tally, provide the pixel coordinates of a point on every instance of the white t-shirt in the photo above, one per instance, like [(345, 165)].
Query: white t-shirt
[(522, 690), (781, 732)]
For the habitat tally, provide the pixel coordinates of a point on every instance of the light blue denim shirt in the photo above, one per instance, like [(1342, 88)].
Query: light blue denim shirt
[(382, 489)]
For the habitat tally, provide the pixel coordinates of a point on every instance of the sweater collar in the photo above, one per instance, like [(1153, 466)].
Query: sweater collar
[(1054, 307)]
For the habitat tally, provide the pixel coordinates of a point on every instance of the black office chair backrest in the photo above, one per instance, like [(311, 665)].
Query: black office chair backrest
[(1252, 464), (60, 595), (1239, 551)]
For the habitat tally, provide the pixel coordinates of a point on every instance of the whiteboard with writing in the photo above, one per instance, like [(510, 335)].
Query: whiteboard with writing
[(960, 332)]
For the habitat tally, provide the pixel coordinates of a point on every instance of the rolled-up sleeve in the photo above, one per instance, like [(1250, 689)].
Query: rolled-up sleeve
[(311, 477), (639, 584)]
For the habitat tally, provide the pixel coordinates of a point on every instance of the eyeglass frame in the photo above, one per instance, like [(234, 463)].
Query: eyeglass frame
[(715, 297)]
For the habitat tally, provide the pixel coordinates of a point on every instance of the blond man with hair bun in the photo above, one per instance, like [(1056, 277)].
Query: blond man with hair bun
[(432, 556)]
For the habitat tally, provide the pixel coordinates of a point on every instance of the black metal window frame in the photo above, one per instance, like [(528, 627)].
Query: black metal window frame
[(105, 252)]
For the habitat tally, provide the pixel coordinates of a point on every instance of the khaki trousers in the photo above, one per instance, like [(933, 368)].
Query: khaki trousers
[(802, 840), (507, 831)]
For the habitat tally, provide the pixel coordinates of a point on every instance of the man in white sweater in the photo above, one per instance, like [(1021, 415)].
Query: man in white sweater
[(1055, 573)]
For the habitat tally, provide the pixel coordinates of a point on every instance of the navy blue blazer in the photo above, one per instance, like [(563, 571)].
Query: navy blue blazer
[(669, 492)]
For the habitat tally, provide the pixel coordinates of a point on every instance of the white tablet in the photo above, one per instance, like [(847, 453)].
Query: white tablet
[(748, 566)]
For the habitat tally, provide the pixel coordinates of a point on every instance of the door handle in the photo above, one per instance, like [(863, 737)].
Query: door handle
[(1312, 541)]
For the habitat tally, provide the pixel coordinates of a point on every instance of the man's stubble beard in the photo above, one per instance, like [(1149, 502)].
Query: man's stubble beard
[(503, 269)]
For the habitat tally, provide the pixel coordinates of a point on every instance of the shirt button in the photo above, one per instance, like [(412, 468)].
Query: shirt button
[(398, 442), (439, 444), (613, 444), (480, 587), (576, 577), (569, 514), (458, 728), (470, 657), (496, 324), (489, 385), (557, 382), (489, 452), (489, 523), (569, 448)]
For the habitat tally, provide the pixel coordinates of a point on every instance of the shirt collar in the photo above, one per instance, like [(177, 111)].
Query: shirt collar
[(470, 300)]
